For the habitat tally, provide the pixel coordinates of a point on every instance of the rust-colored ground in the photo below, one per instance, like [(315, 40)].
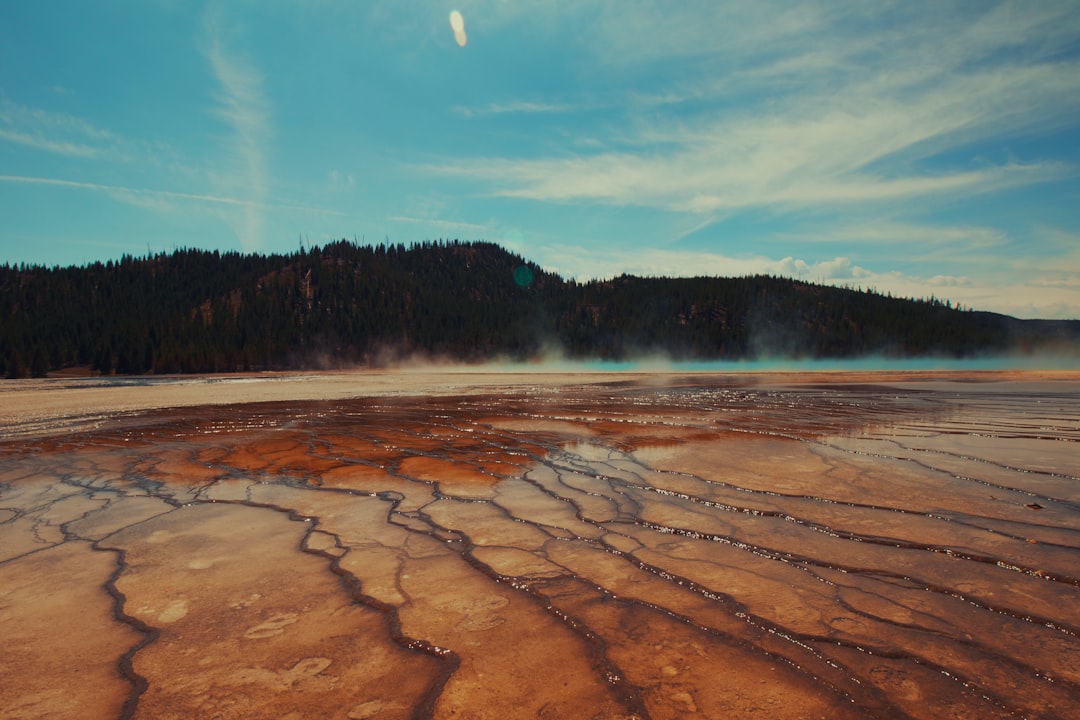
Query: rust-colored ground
[(542, 546)]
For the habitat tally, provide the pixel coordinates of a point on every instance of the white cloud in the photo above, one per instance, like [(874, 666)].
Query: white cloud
[(43, 143), (160, 199), (949, 281), (514, 107), (794, 157), (908, 234), (54, 132), (440, 225), (589, 264), (1034, 275), (1031, 289), (837, 270), (824, 103), (76, 137), (241, 104)]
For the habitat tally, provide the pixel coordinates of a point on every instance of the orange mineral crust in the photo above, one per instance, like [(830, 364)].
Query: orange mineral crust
[(541, 545)]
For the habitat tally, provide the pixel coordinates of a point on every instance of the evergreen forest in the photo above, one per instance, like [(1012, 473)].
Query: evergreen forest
[(343, 304)]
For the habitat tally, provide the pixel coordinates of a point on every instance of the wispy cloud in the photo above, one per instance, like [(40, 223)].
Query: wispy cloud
[(791, 158), (514, 107), (157, 199), (708, 180), (241, 104), (77, 138), (828, 103), (969, 237), (43, 143), (451, 225), (53, 132)]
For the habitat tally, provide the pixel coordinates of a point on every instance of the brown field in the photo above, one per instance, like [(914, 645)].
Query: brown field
[(541, 545)]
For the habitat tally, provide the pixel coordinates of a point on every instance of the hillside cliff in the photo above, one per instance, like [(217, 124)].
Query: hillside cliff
[(343, 304)]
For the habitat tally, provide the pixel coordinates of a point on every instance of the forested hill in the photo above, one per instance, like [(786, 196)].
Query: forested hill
[(343, 304)]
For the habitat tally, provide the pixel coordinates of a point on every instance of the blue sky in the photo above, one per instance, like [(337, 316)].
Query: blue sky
[(919, 148)]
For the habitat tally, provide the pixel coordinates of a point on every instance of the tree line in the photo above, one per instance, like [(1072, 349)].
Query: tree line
[(345, 304)]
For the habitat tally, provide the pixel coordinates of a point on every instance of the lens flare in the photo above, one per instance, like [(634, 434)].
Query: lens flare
[(523, 276), (457, 24)]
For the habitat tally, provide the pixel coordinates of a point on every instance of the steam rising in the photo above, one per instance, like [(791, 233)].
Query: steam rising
[(457, 24)]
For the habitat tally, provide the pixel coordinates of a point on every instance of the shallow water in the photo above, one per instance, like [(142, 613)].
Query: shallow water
[(667, 547)]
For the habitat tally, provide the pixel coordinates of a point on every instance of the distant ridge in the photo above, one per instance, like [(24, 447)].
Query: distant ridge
[(343, 304)]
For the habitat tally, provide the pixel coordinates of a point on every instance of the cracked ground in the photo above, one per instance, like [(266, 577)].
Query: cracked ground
[(721, 546)]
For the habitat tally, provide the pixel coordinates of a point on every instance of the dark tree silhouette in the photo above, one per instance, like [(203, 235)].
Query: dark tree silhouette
[(345, 304)]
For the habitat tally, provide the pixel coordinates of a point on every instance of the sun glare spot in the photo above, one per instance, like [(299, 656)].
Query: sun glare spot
[(457, 24), (523, 276)]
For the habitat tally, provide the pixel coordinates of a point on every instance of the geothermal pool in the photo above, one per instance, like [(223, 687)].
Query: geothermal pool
[(472, 545)]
